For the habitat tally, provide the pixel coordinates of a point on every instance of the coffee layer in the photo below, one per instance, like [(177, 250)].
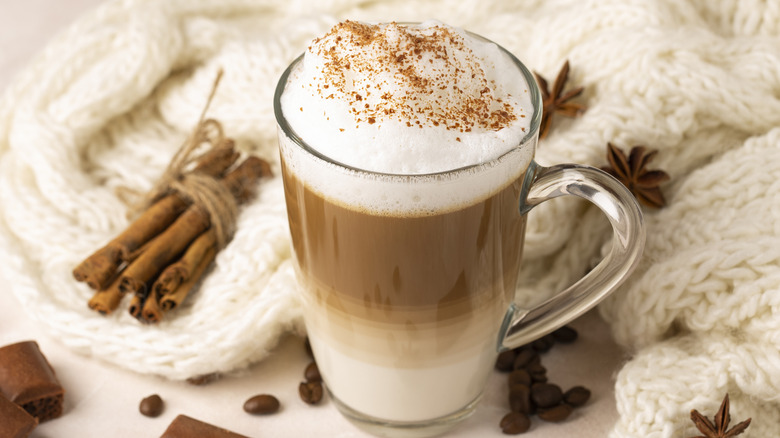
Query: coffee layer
[(407, 291)]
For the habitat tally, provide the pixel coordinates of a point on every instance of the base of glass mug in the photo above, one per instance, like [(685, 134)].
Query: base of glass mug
[(405, 429)]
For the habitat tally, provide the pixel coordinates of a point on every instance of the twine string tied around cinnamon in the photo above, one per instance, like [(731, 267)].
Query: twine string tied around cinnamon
[(200, 190)]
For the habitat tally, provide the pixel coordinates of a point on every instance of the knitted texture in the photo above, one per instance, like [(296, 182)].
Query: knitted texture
[(109, 100)]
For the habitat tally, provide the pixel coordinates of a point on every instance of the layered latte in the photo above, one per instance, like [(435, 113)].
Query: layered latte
[(403, 171)]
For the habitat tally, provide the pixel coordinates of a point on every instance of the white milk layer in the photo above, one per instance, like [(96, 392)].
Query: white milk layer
[(404, 394), (420, 369), (407, 99)]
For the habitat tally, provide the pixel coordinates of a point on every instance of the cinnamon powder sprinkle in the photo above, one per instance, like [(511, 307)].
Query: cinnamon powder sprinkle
[(410, 76)]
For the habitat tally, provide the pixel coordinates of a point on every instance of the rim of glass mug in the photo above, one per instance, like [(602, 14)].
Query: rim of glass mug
[(536, 118)]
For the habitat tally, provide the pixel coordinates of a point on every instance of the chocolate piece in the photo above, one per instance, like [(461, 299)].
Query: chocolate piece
[(186, 427), (15, 422), (27, 379)]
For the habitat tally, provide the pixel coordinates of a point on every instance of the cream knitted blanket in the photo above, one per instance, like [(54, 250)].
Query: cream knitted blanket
[(108, 101)]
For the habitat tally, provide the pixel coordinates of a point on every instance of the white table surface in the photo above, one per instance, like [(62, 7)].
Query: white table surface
[(102, 400)]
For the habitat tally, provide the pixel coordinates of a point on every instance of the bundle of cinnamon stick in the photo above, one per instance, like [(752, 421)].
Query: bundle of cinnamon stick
[(165, 251)]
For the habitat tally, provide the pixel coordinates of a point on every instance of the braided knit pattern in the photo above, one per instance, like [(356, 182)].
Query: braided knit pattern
[(108, 101)]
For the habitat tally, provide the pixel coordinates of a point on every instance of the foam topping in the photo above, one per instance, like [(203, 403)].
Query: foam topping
[(406, 99)]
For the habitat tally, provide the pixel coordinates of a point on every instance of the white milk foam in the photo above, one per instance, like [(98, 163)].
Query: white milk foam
[(408, 100)]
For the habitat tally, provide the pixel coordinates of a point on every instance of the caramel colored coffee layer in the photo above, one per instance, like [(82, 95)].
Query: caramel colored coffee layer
[(27, 379), (410, 291)]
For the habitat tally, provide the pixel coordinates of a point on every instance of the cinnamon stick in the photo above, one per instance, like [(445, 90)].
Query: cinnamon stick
[(106, 300), (171, 300), (136, 306), (98, 269), (182, 270), (190, 224), (168, 244), (241, 181), (151, 312), (216, 161)]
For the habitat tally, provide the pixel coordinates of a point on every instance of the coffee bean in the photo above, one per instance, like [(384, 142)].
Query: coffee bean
[(520, 376), (546, 395), (261, 404), (577, 396), (520, 399), (506, 360), (526, 357), (151, 406), (543, 344), (307, 346), (515, 423), (203, 379), (310, 392), (312, 373), (538, 372), (565, 335), (556, 414)]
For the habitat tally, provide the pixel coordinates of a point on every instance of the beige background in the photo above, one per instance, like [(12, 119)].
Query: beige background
[(102, 400)]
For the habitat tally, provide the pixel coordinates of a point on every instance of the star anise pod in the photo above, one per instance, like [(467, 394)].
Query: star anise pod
[(633, 173), (554, 102), (721, 427)]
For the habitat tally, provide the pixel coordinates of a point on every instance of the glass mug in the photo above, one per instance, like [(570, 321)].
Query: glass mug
[(407, 312)]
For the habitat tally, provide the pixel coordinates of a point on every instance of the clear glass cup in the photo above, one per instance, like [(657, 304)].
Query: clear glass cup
[(406, 313)]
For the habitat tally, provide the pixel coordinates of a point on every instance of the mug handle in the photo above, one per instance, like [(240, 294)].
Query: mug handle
[(522, 326)]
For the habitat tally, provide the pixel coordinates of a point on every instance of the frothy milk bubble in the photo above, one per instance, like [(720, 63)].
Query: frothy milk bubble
[(406, 99)]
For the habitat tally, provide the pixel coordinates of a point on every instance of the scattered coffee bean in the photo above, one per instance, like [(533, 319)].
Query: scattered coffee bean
[(520, 399), (312, 373), (565, 335), (151, 406), (307, 346), (556, 414), (546, 395), (538, 372), (506, 361), (529, 392), (543, 344), (203, 379), (525, 357), (521, 377), (261, 404), (310, 392), (515, 423), (577, 396)]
